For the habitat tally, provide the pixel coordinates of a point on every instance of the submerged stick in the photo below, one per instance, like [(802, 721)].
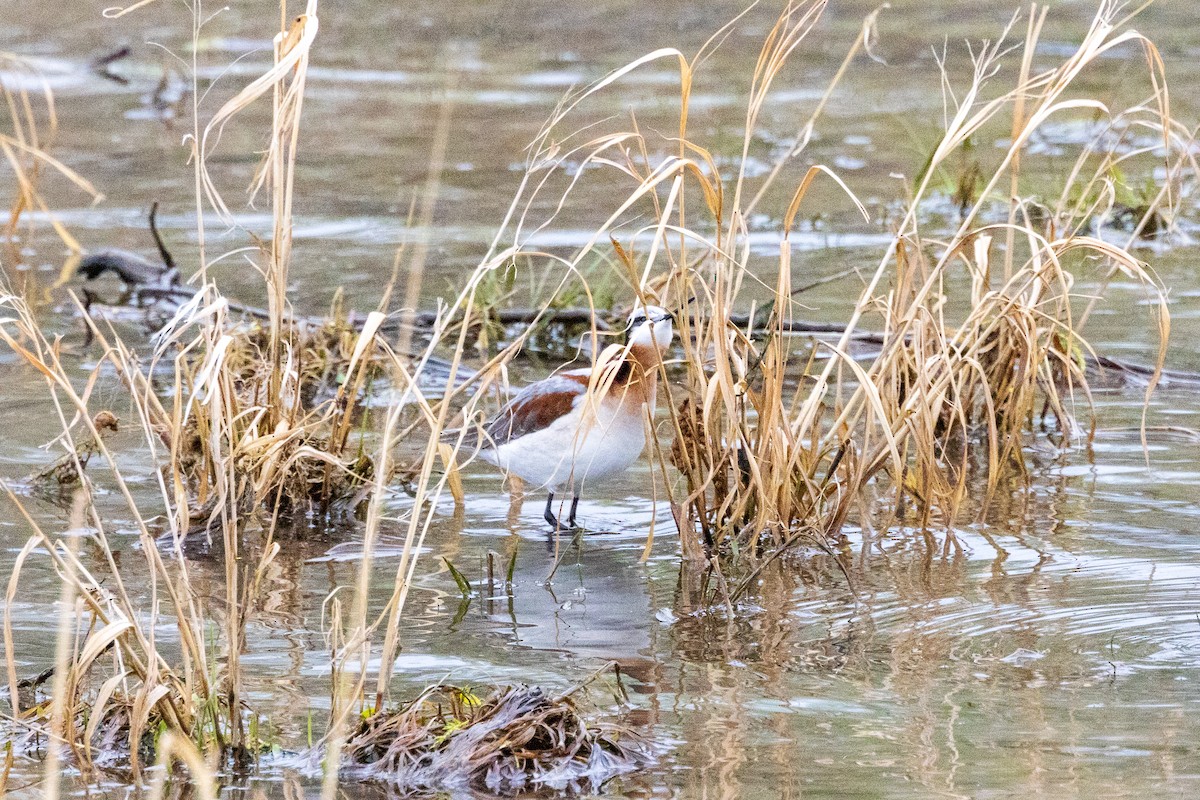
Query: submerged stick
[(1131, 373)]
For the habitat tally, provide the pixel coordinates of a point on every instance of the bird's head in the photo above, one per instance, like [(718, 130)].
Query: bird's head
[(650, 325)]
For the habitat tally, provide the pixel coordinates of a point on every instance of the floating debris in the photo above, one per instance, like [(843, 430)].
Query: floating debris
[(131, 268), (518, 738)]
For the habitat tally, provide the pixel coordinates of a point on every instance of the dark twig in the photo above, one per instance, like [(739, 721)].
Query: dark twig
[(130, 267), (101, 66), (158, 240)]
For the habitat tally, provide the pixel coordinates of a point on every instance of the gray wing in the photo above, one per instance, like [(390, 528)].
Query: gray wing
[(535, 407)]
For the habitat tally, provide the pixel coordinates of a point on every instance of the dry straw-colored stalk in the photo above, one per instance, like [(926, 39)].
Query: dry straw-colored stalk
[(771, 449), (27, 146), (771, 443)]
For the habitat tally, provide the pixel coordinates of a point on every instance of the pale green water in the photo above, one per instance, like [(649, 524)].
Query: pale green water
[(1064, 666)]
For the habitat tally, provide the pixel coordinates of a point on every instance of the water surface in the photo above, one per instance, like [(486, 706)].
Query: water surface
[(1052, 653)]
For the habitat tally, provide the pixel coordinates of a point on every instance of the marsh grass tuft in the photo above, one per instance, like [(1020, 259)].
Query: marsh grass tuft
[(247, 422), (980, 334), (510, 739)]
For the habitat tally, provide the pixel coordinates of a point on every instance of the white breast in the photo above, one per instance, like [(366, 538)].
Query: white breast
[(568, 454)]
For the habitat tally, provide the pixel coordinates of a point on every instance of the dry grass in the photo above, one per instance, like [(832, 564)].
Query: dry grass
[(511, 740), (27, 145), (256, 423), (981, 331), (242, 435), (981, 338)]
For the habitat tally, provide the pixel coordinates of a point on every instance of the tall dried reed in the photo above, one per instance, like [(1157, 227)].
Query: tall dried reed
[(980, 330), (27, 145), (234, 436)]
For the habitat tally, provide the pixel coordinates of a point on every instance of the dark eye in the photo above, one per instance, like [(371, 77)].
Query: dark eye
[(636, 319)]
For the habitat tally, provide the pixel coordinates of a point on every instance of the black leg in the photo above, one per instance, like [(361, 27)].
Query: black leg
[(549, 515), (574, 505)]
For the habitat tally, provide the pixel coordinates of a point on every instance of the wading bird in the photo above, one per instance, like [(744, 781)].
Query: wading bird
[(582, 424)]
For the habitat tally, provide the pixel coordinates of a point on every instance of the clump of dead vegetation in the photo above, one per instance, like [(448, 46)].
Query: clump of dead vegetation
[(979, 342), (249, 420), (251, 417), (513, 739)]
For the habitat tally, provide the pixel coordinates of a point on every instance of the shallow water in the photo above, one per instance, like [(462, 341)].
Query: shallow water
[(1054, 653)]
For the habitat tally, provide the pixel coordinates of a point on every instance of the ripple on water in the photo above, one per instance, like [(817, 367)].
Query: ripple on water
[(1079, 606)]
